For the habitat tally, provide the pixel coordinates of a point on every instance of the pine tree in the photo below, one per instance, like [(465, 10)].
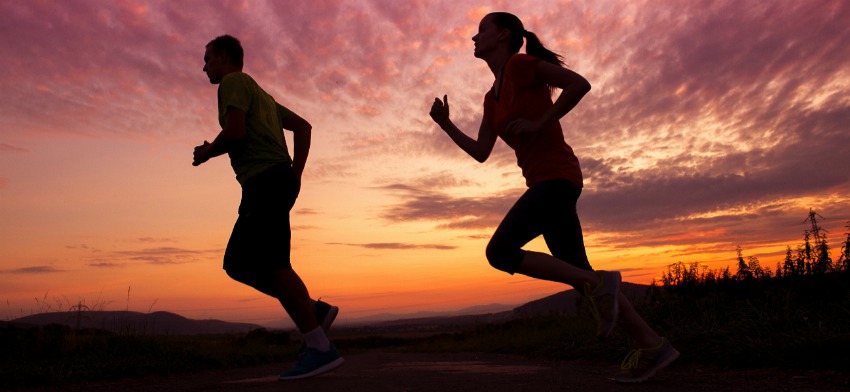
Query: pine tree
[(756, 270), (789, 265), (804, 254), (725, 275), (744, 272)]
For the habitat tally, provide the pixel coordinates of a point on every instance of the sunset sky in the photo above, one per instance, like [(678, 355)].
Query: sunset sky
[(710, 125)]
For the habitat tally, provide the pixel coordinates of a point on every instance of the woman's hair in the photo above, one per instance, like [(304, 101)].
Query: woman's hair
[(533, 45)]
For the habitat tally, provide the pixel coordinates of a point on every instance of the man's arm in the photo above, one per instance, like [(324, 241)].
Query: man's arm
[(232, 133), (302, 133)]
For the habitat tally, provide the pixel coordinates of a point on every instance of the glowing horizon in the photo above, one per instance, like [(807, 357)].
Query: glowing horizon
[(708, 128)]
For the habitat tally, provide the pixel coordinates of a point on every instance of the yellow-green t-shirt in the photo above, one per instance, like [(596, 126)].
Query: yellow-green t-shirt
[(264, 145)]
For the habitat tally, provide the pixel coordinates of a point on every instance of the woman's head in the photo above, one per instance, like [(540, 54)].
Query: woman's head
[(504, 21)]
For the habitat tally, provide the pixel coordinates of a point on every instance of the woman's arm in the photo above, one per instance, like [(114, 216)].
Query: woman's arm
[(479, 149), (573, 86)]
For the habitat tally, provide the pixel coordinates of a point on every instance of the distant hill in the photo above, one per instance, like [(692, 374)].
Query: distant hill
[(566, 302), (165, 323), (473, 310), (156, 323), (563, 303)]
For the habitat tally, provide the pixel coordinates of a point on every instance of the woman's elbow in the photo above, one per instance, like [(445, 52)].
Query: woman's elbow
[(584, 86), (481, 157)]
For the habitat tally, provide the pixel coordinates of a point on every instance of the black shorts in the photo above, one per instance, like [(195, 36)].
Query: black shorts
[(261, 237)]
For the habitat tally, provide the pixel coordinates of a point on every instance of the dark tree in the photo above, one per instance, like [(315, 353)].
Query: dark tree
[(844, 257)]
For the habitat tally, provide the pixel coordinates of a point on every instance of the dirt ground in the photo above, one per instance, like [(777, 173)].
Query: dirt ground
[(376, 371)]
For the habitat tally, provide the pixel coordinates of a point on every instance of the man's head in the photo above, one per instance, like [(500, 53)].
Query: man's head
[(223, 55)]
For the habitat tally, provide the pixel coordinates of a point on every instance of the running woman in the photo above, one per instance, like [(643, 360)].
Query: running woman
[(519, 109)]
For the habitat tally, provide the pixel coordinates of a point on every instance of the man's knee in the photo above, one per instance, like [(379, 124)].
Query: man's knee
[(252, 279), (239, 276)]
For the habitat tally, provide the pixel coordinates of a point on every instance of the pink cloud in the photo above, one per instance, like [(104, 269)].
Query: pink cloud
[(767, 76), (8, 148)]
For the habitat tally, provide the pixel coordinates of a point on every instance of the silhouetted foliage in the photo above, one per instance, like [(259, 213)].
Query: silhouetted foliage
[(844, 258), (744, 272), (812, 257)]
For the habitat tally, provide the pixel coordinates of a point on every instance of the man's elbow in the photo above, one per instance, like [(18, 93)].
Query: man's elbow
[(302, 126), (233, 134), (305, 129)]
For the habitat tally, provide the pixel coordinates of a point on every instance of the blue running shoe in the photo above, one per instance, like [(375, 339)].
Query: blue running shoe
[(325, 314), (313, 362)]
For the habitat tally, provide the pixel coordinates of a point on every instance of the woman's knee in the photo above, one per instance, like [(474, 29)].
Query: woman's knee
[(503, 258)]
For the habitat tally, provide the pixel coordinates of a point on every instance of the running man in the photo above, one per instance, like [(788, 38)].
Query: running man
[(257, 253)]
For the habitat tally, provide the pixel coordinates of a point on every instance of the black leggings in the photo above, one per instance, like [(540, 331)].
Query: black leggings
[(547, 208)]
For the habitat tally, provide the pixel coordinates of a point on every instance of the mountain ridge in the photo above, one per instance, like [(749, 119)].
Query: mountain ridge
[(154, 323), (565, 303)]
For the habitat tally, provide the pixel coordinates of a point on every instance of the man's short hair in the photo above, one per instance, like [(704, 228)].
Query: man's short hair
[(230, 46)]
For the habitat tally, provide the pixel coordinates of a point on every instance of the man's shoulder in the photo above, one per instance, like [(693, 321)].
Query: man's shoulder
[(237, 77)]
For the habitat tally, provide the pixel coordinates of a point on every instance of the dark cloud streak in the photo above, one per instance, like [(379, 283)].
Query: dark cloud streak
[(39, 269), (397, 246), (450, 212), (153, 256)]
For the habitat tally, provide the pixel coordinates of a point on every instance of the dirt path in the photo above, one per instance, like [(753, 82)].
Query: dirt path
[(471, 372)]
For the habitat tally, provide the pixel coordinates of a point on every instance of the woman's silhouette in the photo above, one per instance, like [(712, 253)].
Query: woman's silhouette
[(519, 109)]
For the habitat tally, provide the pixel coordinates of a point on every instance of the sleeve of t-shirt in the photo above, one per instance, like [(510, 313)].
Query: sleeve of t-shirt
[(235, 92), (282, 112), (522, 70)]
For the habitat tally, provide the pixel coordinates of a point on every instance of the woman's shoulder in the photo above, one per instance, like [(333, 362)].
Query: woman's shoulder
[(489, 99), (522, 59), (521, 68)]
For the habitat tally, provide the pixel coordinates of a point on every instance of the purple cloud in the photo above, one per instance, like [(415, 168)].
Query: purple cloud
[(39, 269)]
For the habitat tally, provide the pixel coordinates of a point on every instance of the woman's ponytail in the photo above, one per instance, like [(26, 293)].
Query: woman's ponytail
[(535, 48)]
